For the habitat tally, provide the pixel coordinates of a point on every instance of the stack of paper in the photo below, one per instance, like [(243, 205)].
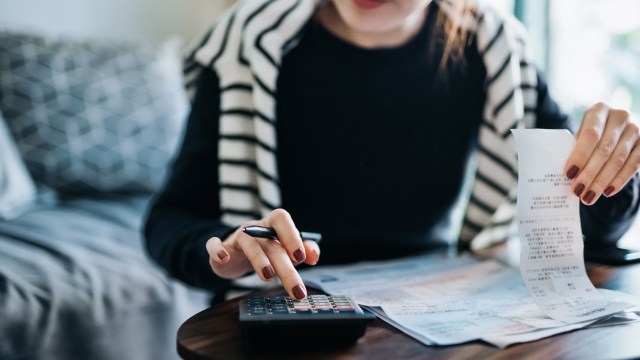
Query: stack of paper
[(442, 301)]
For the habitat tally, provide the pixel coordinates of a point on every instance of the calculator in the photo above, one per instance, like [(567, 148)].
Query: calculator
[(336, 318)]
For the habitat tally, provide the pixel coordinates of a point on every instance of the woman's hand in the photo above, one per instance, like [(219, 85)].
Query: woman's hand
[(240, 253), (606, 155)]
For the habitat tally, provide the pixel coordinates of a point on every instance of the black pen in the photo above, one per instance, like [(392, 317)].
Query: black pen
[(269, 233)]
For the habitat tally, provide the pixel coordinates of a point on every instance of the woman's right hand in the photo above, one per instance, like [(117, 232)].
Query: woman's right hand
[(240, 253)]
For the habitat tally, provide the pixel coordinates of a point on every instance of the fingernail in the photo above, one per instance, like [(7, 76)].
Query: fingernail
[(608, 191), (299, 255), (299, 292), (579, 189), (222, 255), (267, 272), (589, 196), (573, 171)]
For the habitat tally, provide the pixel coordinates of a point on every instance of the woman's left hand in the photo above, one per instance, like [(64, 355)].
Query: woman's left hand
[(606, 155)]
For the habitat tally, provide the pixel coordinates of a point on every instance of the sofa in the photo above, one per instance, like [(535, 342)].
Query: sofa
[(87, 134)]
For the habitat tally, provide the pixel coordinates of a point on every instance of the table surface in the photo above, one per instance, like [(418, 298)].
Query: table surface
[(214, 334)]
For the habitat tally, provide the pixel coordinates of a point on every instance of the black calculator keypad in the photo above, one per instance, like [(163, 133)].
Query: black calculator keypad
[(313, 304)]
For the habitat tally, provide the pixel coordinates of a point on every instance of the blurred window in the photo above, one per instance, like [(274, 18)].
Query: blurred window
[(589, 50)]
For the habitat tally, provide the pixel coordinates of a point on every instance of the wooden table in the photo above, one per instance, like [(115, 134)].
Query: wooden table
[(214, 334)]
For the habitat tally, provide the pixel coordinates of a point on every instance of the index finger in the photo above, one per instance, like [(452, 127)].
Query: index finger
[(587, 138), (288, 234)]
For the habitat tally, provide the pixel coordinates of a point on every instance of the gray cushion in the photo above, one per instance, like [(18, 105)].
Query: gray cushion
[(92, 117)]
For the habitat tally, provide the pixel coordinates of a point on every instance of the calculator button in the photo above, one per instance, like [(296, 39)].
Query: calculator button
[(301, 309), (313, 304)]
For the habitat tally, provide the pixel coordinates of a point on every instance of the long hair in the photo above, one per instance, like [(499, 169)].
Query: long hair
[(455, 19)]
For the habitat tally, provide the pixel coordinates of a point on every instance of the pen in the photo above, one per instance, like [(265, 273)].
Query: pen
[(269, 233)]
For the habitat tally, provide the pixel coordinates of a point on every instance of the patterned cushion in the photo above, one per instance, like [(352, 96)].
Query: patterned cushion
[(92, 117)]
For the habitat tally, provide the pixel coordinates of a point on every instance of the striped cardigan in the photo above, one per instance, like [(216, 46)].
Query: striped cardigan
[(245, 48)]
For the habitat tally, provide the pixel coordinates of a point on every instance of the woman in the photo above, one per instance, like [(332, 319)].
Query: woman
[(379, 106)]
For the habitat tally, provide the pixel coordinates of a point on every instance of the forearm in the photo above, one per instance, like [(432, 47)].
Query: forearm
[(186, 214), (176, 241)]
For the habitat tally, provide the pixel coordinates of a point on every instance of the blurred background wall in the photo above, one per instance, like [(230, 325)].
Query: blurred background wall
[(128, 20)]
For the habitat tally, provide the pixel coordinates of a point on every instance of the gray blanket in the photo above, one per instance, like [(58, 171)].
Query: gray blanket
[(75, 283)]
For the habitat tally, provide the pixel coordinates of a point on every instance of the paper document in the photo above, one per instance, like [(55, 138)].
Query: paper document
[(551, 260), (448, 300)]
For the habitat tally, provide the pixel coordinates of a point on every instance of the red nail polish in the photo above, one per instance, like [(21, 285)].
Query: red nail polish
[(299, 255), (608, 191), (222, 255), (299, 292), (589, 196), (579, 189), (267, 272), (573, 171)]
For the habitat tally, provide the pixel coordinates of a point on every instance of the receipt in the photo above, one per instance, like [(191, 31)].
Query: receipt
[(551, 261)]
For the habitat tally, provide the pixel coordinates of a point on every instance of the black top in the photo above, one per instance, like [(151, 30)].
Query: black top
[(372, 150)]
